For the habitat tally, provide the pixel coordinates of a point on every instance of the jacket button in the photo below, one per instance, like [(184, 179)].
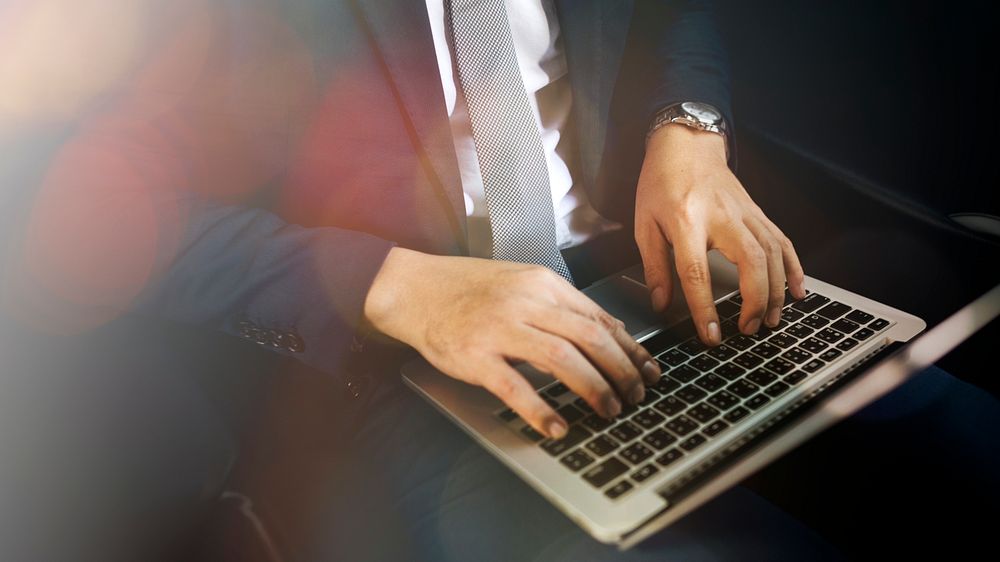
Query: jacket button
[(294, 343)]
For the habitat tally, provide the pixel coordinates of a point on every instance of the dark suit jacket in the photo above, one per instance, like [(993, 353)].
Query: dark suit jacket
[(262, 157)]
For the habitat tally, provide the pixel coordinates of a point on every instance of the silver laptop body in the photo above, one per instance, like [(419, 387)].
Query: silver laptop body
[(661, 481)]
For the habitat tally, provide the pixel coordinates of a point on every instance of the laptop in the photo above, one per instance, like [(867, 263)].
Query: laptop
[(717, 414)]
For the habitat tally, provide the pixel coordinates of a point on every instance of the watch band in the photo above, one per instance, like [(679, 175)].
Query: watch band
[(698, 118)]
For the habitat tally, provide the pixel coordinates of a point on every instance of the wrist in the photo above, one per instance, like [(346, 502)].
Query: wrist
[(389, 294), (679, 142)]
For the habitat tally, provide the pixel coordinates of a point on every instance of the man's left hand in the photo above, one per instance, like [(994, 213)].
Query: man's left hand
[(690, 202)]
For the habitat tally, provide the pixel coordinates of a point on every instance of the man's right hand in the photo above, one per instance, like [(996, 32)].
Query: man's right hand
[(472, 317)]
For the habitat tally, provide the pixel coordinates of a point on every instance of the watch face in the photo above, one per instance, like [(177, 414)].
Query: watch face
[(701, 112)]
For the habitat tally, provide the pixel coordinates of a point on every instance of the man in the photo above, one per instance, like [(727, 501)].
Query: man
[(318, 175)]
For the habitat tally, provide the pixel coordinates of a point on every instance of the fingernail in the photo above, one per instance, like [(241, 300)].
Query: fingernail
[(659, 297), (637, 394), (613, 407), (773, 317), (650, 371), (557, 429), (753, 325), (714, 335)]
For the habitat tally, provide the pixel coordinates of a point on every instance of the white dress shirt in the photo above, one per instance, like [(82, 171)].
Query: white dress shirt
[(542, 62)]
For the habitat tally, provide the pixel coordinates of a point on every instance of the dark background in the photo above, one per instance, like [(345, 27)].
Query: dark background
[(862, 127)]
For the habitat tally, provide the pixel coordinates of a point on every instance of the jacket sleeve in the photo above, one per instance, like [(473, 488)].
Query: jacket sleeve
[(689, 58)]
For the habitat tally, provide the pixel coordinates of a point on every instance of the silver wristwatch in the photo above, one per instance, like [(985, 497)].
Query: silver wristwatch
[(701, 116)]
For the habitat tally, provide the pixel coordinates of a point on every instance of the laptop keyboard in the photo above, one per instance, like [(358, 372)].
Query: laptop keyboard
[(703, 393)]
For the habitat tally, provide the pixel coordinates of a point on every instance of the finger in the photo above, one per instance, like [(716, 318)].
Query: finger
[(558, 357), (691, 259), (775, 269), (655, 253), (598, 345), (742, 248), (578, 302), (504, 382), (793, 267)]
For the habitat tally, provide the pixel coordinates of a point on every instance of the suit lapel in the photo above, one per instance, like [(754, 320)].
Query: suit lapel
[(594, 34), (401, 32)]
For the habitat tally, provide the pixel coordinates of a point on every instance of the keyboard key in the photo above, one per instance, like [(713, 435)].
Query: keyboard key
[(625, 432), (723, 400), (577, 460), (878, 324), (766, 350), (757, 402), (815, 322), (597, 423), (530, 433), (789, 314), (783, 340), (727, 309), (659, 439), (552, 403), (693, 442), (833, 310), (684, 374), (779, 366), (636, 453), (666, 339), (730, 371), (796, 355), (666, 385), (829, 336), (723, 352), (748, 360), (673, 357), (692, 346), (761, 334), (648, 419), (795, 377), (737, 299), (729, 328), (508, 415), (811, 303), (644, 473), (650, 397), (813, 366), (711, 382), (863, 334), (671, 405), (669, 457), (714, 428), (859, 316), (583, 406), (776, 389), (601, 445), (576, 435), (848, 344), (557, 389), (681, 425), (799, 330), (570, 413), (740, 342), (743, 388), (830, 355), (690, 394), (619, 489), (762, 377), (813, 345), (703, 363), (736, 414), (844, 325), (703, 413), (605, 472)]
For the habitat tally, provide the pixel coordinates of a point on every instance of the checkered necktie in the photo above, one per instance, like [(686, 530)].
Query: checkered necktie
[(508, 143)]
